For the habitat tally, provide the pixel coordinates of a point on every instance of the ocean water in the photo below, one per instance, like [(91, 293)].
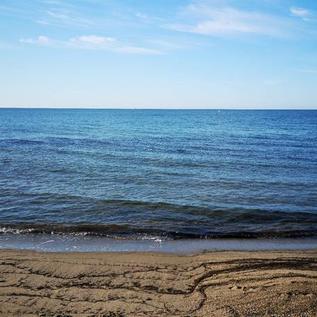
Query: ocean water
[(159, 173)]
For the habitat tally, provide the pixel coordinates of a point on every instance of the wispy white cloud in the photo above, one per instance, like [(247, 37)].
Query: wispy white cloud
[(91, 42), (66, 17), (109, 43), (300, 12), (204, 17), (56, 13), (40, 40)]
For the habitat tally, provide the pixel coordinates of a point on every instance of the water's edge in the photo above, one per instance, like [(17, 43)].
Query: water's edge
[(222, 225), (71, 243)]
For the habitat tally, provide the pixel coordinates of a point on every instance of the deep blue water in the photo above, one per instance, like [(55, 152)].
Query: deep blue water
[(182, 173)]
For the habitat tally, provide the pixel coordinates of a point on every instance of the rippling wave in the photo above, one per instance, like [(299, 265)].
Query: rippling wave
[(122, 218), (174, 174)]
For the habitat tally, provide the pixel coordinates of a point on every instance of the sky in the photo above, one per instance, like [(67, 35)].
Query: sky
[(158, 53)]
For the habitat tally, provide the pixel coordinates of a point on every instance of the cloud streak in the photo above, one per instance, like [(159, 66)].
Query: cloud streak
[(108, 43), (300, 12), (91, 42), (208, 19), (66, 17), (40, 40)]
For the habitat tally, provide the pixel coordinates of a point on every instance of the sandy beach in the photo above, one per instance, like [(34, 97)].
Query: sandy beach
[(147, 284)]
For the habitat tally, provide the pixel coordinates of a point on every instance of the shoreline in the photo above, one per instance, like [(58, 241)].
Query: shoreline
[(81, 243), (219, 283)]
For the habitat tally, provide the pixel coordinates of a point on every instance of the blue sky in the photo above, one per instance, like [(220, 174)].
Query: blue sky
[(158, 54)]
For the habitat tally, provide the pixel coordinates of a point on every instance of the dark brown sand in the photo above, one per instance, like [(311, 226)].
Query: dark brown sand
[(139, 284)]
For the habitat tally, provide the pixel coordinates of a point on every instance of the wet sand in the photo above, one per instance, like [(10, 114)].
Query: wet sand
[(270, 283)]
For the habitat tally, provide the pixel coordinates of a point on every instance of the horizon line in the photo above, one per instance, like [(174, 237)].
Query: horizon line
[(153, 108)]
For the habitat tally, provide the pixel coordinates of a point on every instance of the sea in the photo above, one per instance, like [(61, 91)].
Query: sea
[(174, 175)]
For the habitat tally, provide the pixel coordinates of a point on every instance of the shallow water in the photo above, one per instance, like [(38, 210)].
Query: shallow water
[(177, 174), (75, 243)]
